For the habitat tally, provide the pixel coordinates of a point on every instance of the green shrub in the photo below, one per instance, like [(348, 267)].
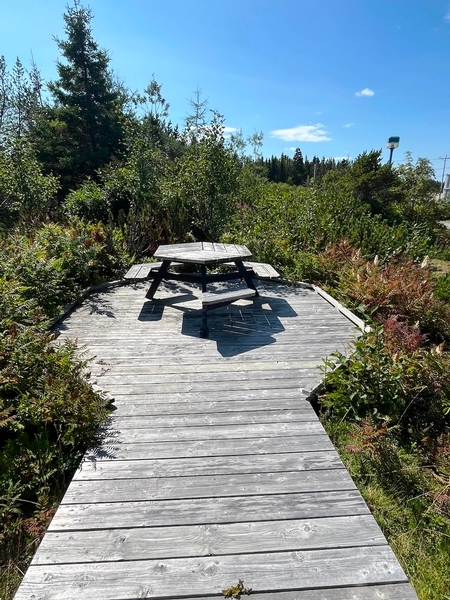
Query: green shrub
[(87, 202), (408, 387), (54, 263), (442, 289), (392, 288)]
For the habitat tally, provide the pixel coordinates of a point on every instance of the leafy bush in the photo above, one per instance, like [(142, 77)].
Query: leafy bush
[(54, 263), (48, 412), (284, 225), (392, 288), (407, 492), (442, 289), (88, 202), (25, 193), (48, 416), (407, 387)]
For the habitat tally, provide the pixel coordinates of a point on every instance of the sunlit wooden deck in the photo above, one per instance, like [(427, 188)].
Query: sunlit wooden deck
[(213, 468)]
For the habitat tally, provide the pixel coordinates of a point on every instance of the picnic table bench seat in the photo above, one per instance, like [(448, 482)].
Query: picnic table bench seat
[(221, 298), (145, 271), (261, 270)]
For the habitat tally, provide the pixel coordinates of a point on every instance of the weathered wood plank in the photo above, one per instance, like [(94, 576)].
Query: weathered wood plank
[(216, 432), (278, 396), (113, 449), (208, 466), (197, 511), (374, 592), (262, 270), (211, 386), (206, 377), (209, 540), (199, 576), (209, 299), (249, 484), (136, 407), (206, 419)]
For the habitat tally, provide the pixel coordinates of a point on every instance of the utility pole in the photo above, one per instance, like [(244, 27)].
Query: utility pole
[(444, 158)]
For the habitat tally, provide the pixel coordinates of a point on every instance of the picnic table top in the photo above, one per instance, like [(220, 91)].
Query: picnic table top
[(203, 253)]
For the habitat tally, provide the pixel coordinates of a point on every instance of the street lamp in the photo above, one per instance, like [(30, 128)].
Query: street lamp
[(392, 143)]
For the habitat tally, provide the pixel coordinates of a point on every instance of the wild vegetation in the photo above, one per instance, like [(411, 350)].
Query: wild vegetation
[(94, 176)]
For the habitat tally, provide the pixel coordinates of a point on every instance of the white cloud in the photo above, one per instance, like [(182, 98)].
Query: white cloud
[(366, 92), (230, 129), (348, 125), (302, 133), (291, 149), (447, 17)]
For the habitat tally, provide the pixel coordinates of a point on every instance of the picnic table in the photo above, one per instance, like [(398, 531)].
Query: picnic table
[(207, 256)]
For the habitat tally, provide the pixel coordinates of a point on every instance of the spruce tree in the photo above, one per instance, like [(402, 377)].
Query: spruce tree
[(83, 129)]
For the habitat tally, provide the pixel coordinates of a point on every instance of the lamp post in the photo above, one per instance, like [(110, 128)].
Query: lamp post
[(392, 143)]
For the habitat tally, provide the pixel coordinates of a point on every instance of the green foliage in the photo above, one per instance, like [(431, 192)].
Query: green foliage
[(20, 101), (52, 266), (395, 288), (48, 416), (26, 194), (88, 202), (198, 192), (408, 388), (407, 491), (442, 289), (84, 128), (288, 226), (235, 591), (418, 192), (49, 413), (369, 181)]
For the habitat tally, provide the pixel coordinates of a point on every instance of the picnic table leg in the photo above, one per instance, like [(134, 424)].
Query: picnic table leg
[(159, 276), (245, 275), (204, 329), (203, 268)]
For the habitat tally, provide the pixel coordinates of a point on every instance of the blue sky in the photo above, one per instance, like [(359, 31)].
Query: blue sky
[(333, 78)]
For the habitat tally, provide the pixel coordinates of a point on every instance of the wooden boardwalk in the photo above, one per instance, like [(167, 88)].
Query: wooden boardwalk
[(213, 468)]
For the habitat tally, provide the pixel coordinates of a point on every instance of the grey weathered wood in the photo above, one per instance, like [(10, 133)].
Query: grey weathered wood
[(144, 271), (209, 540), (120, 490), (262, 270), (205, 466), (217, 432), (209, 299), (206, 575), (114, 449), (197, 511), (208, 419), (141, 406), (202, 252), (212, 449), (374, 592)]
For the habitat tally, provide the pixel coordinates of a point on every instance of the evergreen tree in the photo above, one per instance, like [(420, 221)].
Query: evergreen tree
[(298, 169), (83, 130)]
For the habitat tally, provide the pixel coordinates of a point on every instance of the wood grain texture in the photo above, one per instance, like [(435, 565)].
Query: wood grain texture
[(205, 466), (208, 540), (213, 466), (163, 488), (208, 575), (198, 511)]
